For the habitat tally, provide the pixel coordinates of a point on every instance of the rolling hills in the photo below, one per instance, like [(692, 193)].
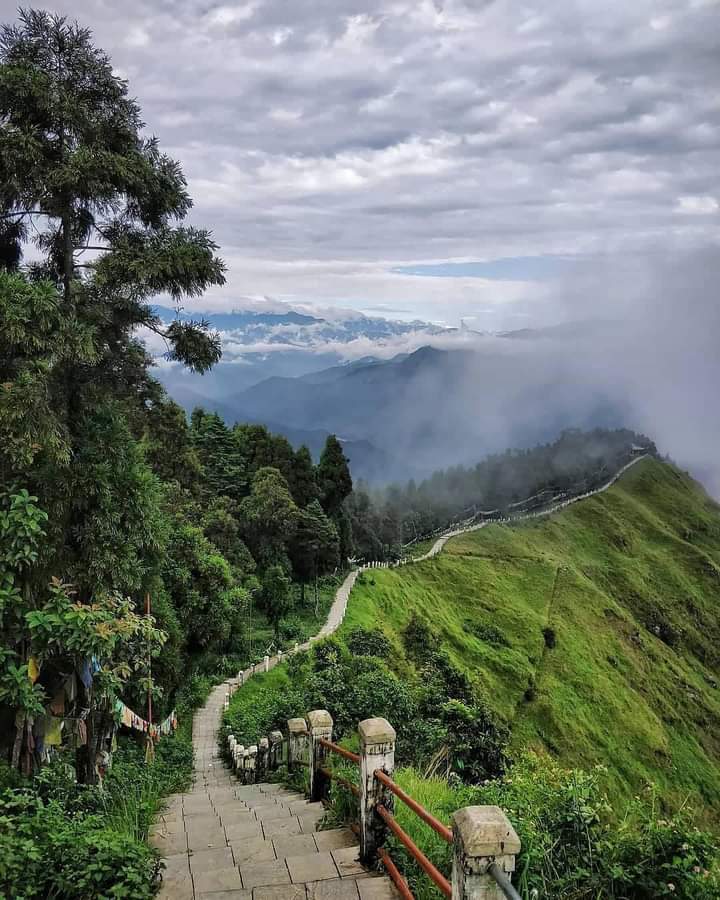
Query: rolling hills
[(606, 647)]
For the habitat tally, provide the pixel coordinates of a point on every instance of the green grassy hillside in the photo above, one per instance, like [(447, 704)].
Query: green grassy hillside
[(626, 586)]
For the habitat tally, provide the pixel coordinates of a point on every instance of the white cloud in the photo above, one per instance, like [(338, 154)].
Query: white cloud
[(698, 206)]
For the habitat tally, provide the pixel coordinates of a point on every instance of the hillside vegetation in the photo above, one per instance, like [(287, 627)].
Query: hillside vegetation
[(595, 633)]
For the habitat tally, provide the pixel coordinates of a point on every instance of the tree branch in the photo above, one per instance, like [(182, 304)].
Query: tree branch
[(25, 212)]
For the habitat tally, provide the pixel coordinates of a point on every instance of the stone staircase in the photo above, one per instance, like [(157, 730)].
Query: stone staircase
[(227, 841)]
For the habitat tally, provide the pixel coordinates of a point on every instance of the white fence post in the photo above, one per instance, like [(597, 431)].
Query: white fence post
[(377, 751), (320, 725), (482, 837), (297, 741)]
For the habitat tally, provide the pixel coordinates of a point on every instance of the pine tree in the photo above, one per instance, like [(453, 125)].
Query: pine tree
[(314, 549), (333, 475), (303, 480)]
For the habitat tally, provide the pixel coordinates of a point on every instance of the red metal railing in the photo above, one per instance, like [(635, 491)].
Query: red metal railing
[(415, 852), (430, 870), (341, 751), (394, 873), (437, 826)]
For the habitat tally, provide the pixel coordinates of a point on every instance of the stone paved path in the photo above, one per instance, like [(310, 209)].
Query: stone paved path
[(226, 841)]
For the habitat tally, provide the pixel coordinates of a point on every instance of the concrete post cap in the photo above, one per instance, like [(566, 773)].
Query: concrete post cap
[(320, 718), (252, 749), (376, 731), (485, 831), (264, 743), (297, 725), (276, 737)]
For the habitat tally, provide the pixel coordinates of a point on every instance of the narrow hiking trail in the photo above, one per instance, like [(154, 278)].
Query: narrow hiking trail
[(226, 841)]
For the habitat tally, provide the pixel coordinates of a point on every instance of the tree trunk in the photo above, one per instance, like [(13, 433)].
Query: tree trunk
[(17, 745), (68, 264)]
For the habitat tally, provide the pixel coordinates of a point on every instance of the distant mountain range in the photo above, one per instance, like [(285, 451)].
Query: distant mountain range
[(410, 414)]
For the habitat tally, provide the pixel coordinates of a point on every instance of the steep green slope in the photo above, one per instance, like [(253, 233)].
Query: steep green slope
[(628, 583)]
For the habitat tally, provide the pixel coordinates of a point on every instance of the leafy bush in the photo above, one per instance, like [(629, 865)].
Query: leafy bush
[(549, 637), (47, 852), (573, 847), (477, 741), (417, 637), (485, 631), (369, 642)]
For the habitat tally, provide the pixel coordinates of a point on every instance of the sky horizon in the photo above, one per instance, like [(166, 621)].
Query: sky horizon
[(432, 160)]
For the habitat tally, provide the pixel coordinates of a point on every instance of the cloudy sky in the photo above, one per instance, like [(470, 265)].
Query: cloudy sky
[(428, 158)]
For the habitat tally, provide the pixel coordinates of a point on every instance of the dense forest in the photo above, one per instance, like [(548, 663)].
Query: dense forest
[(111, 503), (387, 520)]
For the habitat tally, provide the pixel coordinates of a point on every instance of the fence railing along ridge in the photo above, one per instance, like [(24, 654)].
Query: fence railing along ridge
[(483, 840)]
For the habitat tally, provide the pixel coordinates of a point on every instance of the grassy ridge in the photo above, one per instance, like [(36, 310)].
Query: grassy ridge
[(629, 583)]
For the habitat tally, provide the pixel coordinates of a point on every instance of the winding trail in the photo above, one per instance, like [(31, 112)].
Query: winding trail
[(225, 841)]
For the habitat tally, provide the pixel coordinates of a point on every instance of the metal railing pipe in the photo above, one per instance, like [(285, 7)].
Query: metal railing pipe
[(430, 870), (437, 826), (503, 882), (394, 873), (341, 751)]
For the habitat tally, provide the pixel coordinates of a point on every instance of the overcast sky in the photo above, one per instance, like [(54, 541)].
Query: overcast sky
[(350, 153)]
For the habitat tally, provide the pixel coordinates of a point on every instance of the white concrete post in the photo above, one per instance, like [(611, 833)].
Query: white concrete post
[(297, 741), (377, 751), (482, 835), (262, 759), (266, 663), (238, 758), (251, 763), (320, 725), (296, 648), (276, 742), (245, 766)]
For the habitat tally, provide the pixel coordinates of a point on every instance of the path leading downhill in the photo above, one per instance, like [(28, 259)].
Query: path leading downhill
[(226, 841)]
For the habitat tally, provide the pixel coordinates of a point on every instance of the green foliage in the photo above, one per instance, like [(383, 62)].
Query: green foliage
[(276, 595), (477, 742), (201, 583), (570, 849), (612, 690), (485, 631), (333, 476), (369, 642), (417, 637), (270, 516)]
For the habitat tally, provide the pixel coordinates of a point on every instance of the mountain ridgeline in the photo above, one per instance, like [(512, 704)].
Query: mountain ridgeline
[(428, 408), (594, 634)]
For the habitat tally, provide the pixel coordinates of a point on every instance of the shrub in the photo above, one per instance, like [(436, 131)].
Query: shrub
[(47, 852), (445, 680), (550, 637), (369, 642), (417, 637), (326, 653), (490, 634), (476, 739)]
